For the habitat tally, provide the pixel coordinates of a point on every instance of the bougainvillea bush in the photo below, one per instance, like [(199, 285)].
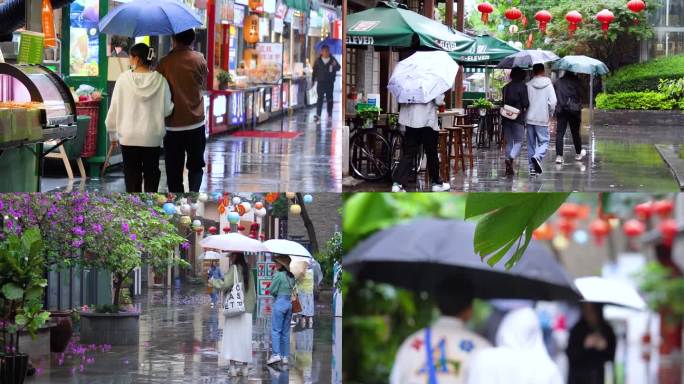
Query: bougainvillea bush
[(114, 232)]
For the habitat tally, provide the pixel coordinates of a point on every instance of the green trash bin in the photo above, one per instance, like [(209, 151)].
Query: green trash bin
[(74, 147)]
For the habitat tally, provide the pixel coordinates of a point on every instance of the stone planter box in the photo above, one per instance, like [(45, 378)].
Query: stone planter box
[(639, 118), (110, 328)]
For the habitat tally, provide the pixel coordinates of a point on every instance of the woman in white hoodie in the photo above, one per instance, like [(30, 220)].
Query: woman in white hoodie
[(140, 102)]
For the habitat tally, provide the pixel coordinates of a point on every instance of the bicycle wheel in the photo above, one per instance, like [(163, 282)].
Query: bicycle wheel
[(369, 155), (396, 150)]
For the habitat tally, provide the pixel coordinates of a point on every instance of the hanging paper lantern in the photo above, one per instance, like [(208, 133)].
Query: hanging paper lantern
[(566, 227), (644, 211), (599, 229), (196, 223), (221, 208), (668, 228), (261, 212), (560, 242), (633, 228), (241, 228), (583, 212), (636, 6), (194, 207), (216, 196), (295, 209), (580, 237), (185, 220), (240, 209), (512, 30), (169, 208), (236, 200), (544, 232), (513, 14), (573, 18), (202, 197), (247, 206), (663, 208), (308, 199), (543, 17), (256, 6), (185, 209), (290, 195), (251, 29), (227, 229), (213, 230), (233, 217), (569, 211), (258, 205), (161, 199), (485, 8), (605, 17)]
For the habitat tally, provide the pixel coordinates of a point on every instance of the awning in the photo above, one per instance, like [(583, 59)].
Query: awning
[(486, 50), (300, 5)]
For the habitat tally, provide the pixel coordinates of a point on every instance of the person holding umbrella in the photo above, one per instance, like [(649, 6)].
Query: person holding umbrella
[(324, 74), (542, 105), (514, 95), (569, 112), (591, 345), (442, 352), (281, 288)]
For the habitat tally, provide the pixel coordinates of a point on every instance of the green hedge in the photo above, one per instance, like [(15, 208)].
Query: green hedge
[(636, 100), (645, 76)]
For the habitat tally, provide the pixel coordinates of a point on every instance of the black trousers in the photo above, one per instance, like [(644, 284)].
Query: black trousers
[(563, 119), (141, 165), (325, 90), (413, 138), (176, 145)]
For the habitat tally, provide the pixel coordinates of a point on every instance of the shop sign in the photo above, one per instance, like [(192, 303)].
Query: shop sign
[(278, 25), (315, 20), (84, 46), (270, 61), (251, 29), (239, 15), (264, 24), (275, 98), (360, 40), (266, 269), (281, 11), (225, 10)]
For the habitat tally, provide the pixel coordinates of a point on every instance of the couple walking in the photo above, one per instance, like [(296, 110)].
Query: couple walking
[(164, 107), (538, 100)]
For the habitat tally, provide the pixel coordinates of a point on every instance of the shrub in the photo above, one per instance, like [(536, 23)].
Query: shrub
[(674, 89), (635, 100), (645, 76)]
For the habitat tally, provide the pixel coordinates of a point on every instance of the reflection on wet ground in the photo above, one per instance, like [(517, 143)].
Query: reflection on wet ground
[(311, 162), (618, 159), (179, 337)]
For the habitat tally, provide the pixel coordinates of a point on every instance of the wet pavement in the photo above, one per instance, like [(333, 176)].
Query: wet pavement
[(179, 337), (618, 159), (310, 162)]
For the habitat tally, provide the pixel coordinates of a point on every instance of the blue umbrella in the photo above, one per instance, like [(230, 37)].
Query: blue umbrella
[(588, 66), (149, 18), (335, 45)]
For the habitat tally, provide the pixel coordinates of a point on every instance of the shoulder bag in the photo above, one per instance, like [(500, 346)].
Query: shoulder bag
[(296, 304), (508, 111), (234, 304)]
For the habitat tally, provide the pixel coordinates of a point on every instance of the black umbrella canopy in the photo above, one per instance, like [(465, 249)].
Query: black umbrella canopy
[(422, 253)]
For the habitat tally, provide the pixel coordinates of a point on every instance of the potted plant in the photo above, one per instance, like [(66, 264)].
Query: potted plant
[(224, 78), (369, 114), (482, 105), (22, 284)]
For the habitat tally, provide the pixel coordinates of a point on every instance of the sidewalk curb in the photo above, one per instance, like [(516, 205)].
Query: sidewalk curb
[(671, 157)]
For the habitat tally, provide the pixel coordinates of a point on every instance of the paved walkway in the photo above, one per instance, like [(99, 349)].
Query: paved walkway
[(179, 337), (310, 162), (618, 159)]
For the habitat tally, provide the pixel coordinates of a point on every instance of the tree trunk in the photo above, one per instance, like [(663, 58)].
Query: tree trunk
[(118, 282), (308, 224)]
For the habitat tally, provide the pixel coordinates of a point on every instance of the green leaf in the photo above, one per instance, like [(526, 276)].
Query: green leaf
[(21, 320), (365, 213), (34, 293), (12, 291)]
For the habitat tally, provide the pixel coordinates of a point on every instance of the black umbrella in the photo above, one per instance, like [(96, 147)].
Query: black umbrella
[(422, 253)]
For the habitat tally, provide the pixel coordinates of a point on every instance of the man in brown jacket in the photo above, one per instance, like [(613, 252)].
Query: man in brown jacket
[(186, 71)]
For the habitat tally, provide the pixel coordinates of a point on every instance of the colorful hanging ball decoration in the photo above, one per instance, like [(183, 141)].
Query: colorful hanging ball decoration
[(216, 196), (185, 220), (513, 14), (241, 228), (636, 6), (213, 230), (290, 195), (663, 208), (668, 228), (605, 17), (202, 197), (169, 208), (560, 242), (485, 9), (573, 18), (566, 227), (599, 229), (569, 211), (196, 223), (186, 209), (161, 199), (240, 209), (308, 199), (227, 229), (580, 237), (247, 206), (258, 205), (543, 17), (261, 212), (236, 200), (644, 211), (295, 209), (513, 29), (633, 228), (233, 217)]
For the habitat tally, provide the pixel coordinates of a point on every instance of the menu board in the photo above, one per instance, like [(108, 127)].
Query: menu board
[(84, 37), (269, 63)]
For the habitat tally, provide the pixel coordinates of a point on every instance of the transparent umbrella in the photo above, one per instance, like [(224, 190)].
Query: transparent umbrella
[(588, 66)]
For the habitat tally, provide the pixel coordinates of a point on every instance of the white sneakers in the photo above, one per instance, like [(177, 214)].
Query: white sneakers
[(396, 187), (284, 361), (441, 187), (581, 155), (274, 359), (559, 159)]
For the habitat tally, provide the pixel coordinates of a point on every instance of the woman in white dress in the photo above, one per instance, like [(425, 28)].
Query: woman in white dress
[(236, 344)]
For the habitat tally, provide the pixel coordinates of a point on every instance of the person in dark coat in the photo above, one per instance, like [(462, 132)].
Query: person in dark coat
[(514, 95), (591, 345), (569, 112), (324, 74)]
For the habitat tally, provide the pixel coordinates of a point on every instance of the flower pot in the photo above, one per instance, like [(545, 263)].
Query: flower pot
[(13, 368), (223, 86), (483, 111), (61, 333), (110, 328)]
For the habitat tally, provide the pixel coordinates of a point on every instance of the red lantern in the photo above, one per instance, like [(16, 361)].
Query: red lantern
[(485, 8), (513, 14), (569, 211), (543, 17), (668, 228), (544, 232), (241, 228), (636, 6), (566, 227), (605, 17), (644, 210), (633, 228), (573, 18), (227, 229), (212, 230), (600, 229), (663, 208)]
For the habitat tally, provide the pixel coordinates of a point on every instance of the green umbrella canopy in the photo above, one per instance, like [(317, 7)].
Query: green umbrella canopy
[(581, 64), (486, 50), (391, 25)]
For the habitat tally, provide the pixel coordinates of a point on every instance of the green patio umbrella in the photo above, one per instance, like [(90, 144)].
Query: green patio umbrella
[(486, 50), (392, 25), (588, 66)]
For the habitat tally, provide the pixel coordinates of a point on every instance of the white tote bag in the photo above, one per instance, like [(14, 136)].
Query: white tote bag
[(234, 303), (313, 95)]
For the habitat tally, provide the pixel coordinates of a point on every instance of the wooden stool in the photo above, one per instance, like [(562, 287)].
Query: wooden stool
[(443, 147), (455, 143), (61, 154)]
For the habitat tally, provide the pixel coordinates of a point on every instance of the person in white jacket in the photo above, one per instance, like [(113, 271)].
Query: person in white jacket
[(542, 99), (520, 355), (422, 128), (135, 120)]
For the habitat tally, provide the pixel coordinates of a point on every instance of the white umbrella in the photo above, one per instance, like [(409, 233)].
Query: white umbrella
[(211, 255), (233, 242), (422, 76), (286, 247), (601, 290)]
